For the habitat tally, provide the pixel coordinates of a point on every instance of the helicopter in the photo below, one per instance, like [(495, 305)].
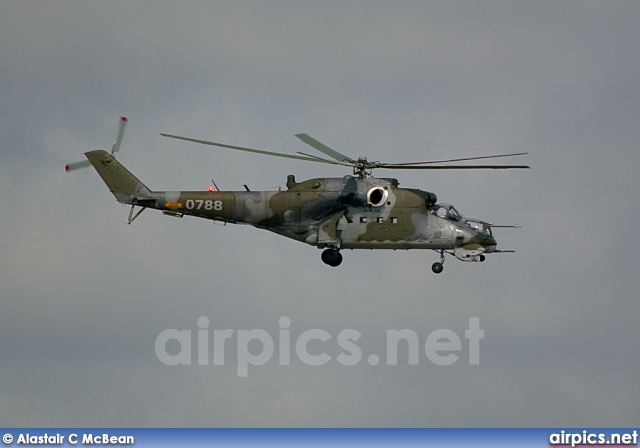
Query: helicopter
[(357, 211)]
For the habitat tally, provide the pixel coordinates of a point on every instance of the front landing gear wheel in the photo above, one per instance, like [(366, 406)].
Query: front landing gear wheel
[(437, 267), (332, 257)]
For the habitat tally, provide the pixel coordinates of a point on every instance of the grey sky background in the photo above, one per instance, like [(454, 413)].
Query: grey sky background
[(83, 296)]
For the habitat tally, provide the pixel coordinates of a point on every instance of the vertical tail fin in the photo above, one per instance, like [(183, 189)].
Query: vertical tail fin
[(125, 186)]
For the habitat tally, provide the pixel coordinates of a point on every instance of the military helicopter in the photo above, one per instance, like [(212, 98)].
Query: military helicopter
[(356, 211)]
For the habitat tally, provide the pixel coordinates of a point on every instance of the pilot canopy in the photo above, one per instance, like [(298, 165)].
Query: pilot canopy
[(450, 213)]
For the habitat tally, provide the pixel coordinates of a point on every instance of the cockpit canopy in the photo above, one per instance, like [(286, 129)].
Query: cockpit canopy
[(479, 226), (449, 212), (446, 211)]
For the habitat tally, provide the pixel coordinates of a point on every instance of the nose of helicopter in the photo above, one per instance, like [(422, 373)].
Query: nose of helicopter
[(488, 241), (472, 237), (491, 244)]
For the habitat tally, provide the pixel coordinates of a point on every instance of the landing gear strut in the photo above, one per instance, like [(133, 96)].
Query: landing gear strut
[(332, 257), (438, 267)]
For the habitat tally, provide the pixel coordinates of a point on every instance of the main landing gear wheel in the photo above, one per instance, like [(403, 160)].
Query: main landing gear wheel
[(332, 257)]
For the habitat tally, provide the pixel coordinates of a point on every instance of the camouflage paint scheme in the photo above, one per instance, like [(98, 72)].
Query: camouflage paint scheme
[(337, 213)]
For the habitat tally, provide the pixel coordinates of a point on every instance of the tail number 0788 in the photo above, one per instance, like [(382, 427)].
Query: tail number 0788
[(199, 204)]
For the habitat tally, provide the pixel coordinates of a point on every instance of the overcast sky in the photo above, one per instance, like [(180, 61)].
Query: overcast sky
[(83, 296)]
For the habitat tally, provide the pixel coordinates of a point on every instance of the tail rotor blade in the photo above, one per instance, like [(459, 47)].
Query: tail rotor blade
[(118, 140), (116, 147), (77, 166)]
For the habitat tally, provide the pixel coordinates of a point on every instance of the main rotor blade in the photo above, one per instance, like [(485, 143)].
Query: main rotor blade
[(324, 149), (320, 158), (451, 167), (463, 159), (257, 151)]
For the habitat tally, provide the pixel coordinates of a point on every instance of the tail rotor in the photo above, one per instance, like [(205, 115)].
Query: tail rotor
[(114, 149)]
